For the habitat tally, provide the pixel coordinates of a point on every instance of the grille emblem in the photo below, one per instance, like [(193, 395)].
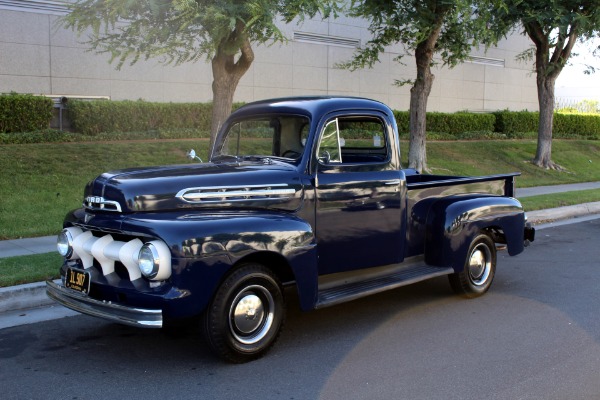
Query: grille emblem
[(99, 203)]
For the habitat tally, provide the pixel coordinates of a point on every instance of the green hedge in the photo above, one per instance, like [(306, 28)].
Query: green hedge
[(116, 120), (403, 121), (516, 124), (451, 123), (569, 125), (24, 112), (56, 136), (94, 117)]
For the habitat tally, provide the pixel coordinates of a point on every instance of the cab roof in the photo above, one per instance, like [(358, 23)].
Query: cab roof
[(312, 106)]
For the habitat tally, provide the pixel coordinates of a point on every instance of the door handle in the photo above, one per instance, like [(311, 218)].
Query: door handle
[(394, 182)]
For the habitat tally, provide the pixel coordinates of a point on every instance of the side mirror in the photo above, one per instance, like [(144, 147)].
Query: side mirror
[(324, 157), (192, 155)]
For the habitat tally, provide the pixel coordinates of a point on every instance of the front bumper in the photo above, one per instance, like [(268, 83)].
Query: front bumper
[(140, 317)]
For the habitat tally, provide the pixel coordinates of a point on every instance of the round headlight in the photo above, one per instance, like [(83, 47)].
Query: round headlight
[(149, 260), (64, 243)]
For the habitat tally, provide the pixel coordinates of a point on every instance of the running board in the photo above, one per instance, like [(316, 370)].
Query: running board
[(351, 291)]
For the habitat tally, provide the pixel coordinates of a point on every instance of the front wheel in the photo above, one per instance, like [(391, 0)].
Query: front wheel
[(246, 314), (480, 267)]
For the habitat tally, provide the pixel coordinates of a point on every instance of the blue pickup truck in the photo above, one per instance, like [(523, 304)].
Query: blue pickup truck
[(301, 192)]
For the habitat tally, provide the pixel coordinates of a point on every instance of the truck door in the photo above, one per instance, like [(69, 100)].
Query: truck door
[(359, 184)]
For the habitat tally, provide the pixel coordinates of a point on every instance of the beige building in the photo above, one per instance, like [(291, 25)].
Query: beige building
[(38, 56)]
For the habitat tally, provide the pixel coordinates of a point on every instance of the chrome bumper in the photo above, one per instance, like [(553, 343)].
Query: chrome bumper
[(139, 317)]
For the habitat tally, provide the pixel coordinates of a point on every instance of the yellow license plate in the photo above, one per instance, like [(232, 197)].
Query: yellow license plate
[(78, 280)]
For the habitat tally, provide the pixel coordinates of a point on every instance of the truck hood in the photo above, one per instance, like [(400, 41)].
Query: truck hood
[(247, 184)]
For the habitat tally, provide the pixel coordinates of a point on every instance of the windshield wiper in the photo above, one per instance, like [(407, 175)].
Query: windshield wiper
[(267, 160), (225, 157)]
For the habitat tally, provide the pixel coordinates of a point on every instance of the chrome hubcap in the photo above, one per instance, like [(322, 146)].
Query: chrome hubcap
[(480, 264), (248, 314), (251, 314)]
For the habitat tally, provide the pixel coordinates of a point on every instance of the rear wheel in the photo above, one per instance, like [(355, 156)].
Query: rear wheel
[(246, 315), (480, 267)]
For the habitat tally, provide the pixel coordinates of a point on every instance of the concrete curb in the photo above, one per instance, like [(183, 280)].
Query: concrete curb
[(33, 295), (561, 213), (25, 296)]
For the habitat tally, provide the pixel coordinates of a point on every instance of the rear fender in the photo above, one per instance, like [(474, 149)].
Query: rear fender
[(453, 222)]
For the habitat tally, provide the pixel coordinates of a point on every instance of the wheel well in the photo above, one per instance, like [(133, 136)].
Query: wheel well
[(273, 261), (496, 233)]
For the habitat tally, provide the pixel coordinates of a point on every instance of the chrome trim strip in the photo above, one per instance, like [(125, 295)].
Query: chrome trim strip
[(140, 317), (89, 202), (237, 193), (233, 193)]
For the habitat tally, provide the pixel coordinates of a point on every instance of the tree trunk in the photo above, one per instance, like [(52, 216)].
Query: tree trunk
[(226, 76), (419, 93), (223, 88), (543, 156), (548, 67)]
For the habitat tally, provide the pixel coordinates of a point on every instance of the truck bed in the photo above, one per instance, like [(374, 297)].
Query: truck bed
[(442, 185)]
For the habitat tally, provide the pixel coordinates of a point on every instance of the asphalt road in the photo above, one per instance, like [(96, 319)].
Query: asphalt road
[(535, 335)]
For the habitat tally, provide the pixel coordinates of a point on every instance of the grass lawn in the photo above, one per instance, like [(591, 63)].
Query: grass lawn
[(40, 183), (581, 158), (560, 199), (27, 269)]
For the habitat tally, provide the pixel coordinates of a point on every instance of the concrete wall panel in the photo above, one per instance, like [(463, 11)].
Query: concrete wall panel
[(273, 75), (24, 28), (69, 62), (38, 55), (24, 59), (81, 87), (24, 84), (307, 78)]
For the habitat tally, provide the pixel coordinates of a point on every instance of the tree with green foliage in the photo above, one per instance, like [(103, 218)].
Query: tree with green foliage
[(180, 31), (554, 26), (448, 28)]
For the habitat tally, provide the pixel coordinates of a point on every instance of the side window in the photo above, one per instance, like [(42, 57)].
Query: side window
[(330, 147), (354, 140)]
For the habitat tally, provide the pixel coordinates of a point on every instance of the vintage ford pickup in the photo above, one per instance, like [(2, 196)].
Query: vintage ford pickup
[(302, 192)]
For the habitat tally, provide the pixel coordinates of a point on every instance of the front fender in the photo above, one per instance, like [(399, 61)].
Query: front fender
[(212, 244), (453, 222)]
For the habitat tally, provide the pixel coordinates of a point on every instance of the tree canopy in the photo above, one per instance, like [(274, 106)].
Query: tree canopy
[(554, 26), (180, 31), (424, 28)]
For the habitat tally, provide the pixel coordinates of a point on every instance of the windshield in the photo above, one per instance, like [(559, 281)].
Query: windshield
[(280, 136)]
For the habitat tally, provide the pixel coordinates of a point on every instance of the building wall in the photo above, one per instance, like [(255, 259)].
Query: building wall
[(38, 56)]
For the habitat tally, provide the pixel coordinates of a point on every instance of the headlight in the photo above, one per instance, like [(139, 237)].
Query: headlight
[(154, 260), (149, 260), (64, 242)]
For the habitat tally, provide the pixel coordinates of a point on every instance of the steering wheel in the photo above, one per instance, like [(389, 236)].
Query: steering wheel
[(291, 154)]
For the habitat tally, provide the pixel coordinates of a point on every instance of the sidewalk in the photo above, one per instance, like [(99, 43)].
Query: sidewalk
[(541, 190), (27, 247), (28, 298)]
